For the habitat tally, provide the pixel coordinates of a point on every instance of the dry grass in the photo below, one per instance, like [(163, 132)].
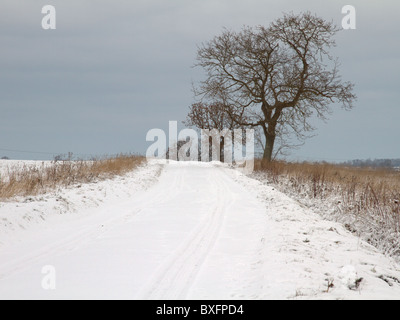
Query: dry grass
[(33, 180), (367, 200)]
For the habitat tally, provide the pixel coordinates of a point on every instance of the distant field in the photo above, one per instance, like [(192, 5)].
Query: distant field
[(9, 167)]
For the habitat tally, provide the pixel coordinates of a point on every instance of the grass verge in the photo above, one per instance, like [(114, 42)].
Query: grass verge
[(366, 200), (31, 180)]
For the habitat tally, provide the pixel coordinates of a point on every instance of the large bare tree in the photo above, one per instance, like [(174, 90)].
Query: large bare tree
[(275, 77)]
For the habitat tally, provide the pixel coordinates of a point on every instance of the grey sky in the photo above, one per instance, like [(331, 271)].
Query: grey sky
[(115, 69)]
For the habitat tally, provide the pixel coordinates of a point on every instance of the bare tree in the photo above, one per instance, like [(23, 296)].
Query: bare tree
[(210, 116), (182, 150), (214, 119), (275, 77), (64, 157)]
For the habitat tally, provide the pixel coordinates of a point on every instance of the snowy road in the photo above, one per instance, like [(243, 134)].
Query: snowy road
[(198, 231)]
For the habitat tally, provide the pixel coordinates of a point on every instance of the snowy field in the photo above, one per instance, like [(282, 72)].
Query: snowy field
[(8, 166), (184, 231)]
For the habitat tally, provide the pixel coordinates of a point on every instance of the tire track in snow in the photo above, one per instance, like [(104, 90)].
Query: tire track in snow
[(71, 243), (174, 278)]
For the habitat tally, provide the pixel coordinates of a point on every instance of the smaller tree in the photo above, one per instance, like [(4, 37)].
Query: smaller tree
[(179, 151), (64, 157), (209, 117), (214, 120)]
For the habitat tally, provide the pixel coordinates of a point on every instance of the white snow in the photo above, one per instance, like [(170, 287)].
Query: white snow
[(184, 231)]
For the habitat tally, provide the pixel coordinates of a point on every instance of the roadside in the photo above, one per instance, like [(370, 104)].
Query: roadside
[(183, 230)]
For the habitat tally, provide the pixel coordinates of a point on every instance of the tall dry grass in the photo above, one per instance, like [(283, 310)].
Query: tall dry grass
[(366, 200), (31, 180)]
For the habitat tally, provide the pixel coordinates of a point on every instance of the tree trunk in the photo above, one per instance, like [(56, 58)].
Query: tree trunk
[(269, 146)]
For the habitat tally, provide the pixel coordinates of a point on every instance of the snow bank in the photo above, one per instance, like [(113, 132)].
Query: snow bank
[(307, 257), (17, 217)]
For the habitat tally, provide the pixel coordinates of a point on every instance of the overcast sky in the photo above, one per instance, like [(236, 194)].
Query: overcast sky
[(113, 70)]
